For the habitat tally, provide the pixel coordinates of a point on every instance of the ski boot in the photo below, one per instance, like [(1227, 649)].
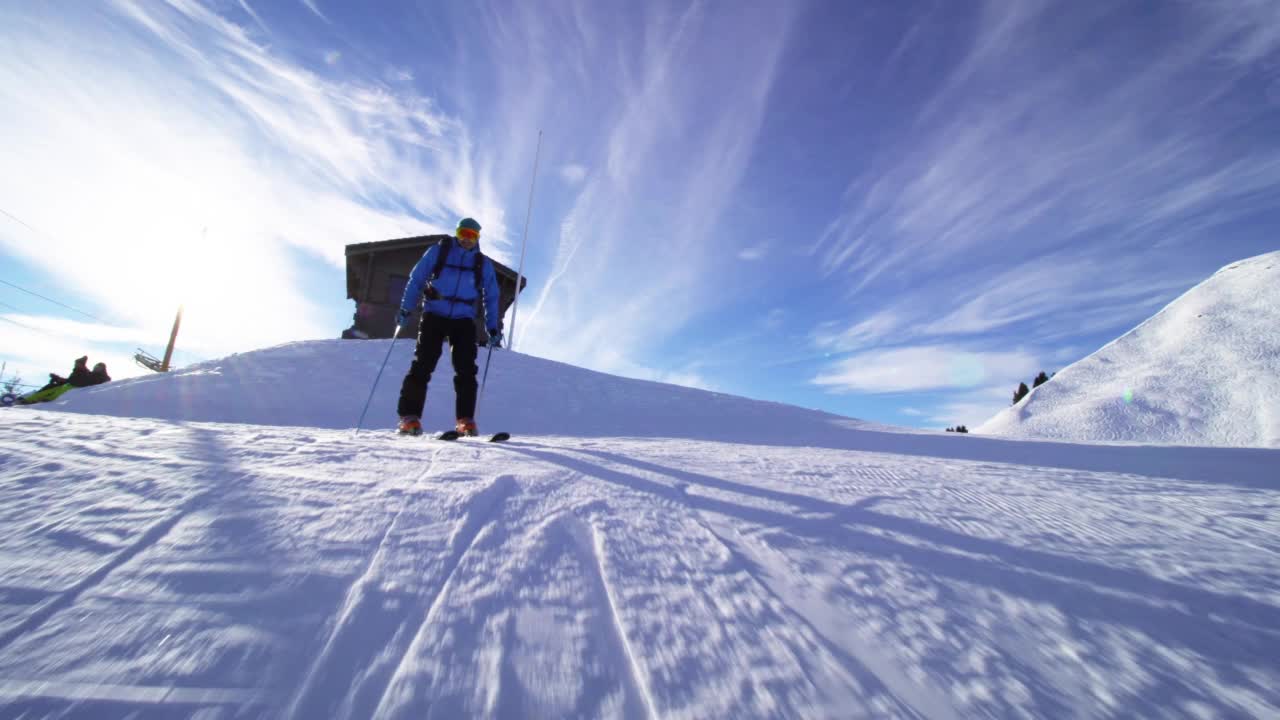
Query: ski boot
[(410, 425), (467, 427)]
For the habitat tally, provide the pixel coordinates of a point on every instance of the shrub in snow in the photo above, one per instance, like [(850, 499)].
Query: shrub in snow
[(1020, 393)]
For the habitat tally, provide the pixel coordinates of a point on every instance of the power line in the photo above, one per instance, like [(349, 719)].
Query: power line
[(18, 220), (55, 302), (186, 353), (24, 325), (24, 224), (28, 327)]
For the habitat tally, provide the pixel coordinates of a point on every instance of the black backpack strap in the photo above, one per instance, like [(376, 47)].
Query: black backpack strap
[(442, 256), (442, 259), (479, 271)]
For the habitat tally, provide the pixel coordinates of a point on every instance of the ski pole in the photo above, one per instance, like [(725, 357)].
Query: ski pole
[(484, 379), (394, 337)]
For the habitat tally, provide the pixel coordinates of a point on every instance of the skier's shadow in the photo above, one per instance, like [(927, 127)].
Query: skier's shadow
[(1228, 631)]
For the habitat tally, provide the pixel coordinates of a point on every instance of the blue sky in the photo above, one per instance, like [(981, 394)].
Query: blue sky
[(891, 210)]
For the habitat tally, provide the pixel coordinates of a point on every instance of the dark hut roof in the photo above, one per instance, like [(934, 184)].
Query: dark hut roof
[(417, 242)]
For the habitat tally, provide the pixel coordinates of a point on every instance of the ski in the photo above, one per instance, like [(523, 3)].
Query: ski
[(452, 435)]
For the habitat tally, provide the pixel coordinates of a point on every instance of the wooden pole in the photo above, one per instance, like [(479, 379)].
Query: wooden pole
[(173, 336)]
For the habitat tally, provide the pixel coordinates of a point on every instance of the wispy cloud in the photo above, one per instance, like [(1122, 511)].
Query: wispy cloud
[(37, 345), (657, 118), (311, 5), (773, 319), (573, 174), (204, 162), (971, 408), (1057, 205), (926, 367), (1064, 294), (1063, 147), (753, 252), (244, 4), (87, 332)]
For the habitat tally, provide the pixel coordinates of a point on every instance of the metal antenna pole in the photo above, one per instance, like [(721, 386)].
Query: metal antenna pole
[(394, 337), (511, 338)]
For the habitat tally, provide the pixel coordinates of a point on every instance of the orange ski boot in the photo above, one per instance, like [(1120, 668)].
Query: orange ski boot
[(410, 425), (466, 426)]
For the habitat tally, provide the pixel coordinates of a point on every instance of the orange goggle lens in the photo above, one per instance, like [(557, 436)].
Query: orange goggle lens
[(468, 234)]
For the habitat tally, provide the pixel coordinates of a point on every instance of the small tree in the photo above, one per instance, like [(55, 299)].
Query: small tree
[(962, 429), (1040, 380), (1020, 393)]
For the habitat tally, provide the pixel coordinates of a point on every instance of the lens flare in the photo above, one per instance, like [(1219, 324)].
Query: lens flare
[(1128, 395)]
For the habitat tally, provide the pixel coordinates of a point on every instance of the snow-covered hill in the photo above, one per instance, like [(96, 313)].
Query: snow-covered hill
[(325, 384), (216, 543), (1205, 370)]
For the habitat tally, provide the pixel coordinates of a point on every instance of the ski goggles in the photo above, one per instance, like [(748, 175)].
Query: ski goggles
[(468, 234)]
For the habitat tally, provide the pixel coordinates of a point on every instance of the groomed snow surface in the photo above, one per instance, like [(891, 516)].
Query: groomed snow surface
[(215, 543), (1203, 371)]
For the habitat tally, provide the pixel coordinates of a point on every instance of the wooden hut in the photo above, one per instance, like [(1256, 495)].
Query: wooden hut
[(377, 273)]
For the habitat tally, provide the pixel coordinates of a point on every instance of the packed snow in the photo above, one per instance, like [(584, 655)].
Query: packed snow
[(1203, 371), (219, 543)]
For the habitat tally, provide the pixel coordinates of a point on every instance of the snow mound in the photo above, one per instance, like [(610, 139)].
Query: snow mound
[(1205, 370), (325, 383)]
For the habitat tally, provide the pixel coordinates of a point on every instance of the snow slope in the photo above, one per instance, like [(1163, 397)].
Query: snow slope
[(185, 546), (325, 383), (1205, 370)]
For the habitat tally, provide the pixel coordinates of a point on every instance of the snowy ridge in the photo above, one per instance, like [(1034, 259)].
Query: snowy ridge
[(1205, 370), (325, 383), (192, 550)]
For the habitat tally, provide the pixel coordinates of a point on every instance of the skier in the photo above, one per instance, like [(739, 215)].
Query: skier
[(450, 286)]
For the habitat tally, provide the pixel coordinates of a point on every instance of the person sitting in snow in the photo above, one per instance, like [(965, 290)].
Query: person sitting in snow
[(98, 375), (81, 376), (448, 314)]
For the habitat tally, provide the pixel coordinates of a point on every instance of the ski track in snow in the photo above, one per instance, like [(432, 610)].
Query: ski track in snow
[(158, 569)]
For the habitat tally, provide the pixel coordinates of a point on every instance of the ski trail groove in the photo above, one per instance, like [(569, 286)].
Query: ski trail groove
[(590, 546), (153, 535), (870, 658), (158, 699), (351, 601), (479, 515)]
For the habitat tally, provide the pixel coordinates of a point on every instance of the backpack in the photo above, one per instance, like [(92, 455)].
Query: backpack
[(442, 257)]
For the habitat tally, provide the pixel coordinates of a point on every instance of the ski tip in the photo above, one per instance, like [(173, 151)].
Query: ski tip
[(449, 435), (500, 437)]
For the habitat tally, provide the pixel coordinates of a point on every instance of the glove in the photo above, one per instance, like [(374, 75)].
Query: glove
[(495, 337), (402, 317)]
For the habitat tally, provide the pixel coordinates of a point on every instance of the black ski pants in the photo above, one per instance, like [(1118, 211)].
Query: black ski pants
[(432, 333)]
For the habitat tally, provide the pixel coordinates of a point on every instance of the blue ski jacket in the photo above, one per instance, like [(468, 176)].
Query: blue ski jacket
[(456, 284)]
